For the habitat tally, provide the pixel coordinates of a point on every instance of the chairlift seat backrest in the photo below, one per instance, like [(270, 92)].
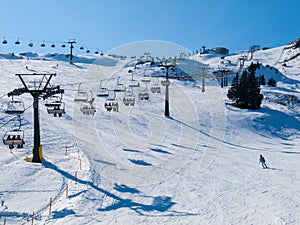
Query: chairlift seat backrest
[(14, 137), (103, 92), (15, 107), (81, 96)]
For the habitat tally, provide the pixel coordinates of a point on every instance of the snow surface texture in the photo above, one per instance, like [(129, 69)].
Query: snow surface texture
[(135, 166)]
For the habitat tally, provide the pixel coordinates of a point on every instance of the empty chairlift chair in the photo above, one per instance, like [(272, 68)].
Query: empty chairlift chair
[(132, 82), (4, 41), (119, 87), (102, 92), (81, 96), (15, 107)]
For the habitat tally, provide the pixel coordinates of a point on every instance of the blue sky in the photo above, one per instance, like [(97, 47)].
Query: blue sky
[(105, 24)]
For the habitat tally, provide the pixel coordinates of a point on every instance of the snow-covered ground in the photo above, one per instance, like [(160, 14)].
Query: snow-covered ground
[(135, 166)]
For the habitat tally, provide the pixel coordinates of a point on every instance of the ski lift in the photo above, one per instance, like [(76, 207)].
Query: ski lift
[(14, 137), (63, 45), (129, 100), (87, 108), (53, 45), (87, 51), (81, 96), (111, 105), (30, 44), (102, 92), (43, 44), (56, 108), (15, 107), (96, 52), (4, 41), (156, 88), (119, 87), (17, 42), (133, 83), (81, 48), (165, 82), (143, 95), (146, 79)]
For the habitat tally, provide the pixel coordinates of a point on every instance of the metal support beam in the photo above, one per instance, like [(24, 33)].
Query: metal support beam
[(38, 91)]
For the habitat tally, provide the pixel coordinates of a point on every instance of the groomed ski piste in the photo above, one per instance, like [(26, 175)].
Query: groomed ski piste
[(136, 166)]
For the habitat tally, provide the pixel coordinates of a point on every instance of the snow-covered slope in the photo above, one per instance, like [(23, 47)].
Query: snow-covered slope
[(135, 166)]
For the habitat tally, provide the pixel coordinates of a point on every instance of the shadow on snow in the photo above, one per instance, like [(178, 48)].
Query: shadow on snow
[(159, 203)]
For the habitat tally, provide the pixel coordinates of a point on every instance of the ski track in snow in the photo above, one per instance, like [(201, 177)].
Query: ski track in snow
[(200, 166)]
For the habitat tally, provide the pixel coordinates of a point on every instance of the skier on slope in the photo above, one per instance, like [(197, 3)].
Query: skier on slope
[(263, 162)]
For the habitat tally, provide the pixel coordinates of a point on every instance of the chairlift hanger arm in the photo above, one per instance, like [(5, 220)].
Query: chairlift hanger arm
[(53, 91), (17, 92)]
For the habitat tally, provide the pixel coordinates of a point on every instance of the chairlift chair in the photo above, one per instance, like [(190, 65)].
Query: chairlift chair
[(111, 105), (14, 138), (156, 88), (4, 41), (143, 95), (81, 48), (17, 42), (43, 45), (102, 92), (119, 87), (146, 79), (56, 108), (15, 107), (30, 44), (133, 83), (53, 45), (165, 82), (87, 108), (63, 45), (81, 96), (129, 100)]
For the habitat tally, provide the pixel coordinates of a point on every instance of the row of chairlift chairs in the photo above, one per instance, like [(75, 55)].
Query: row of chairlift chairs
[(111, 104), (43, 45), (15, 137)]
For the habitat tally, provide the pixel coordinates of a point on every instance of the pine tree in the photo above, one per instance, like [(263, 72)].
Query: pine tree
[(262, 80), (232, 92), (272, 82), (243, 91), (246, 90), (254, 96)]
